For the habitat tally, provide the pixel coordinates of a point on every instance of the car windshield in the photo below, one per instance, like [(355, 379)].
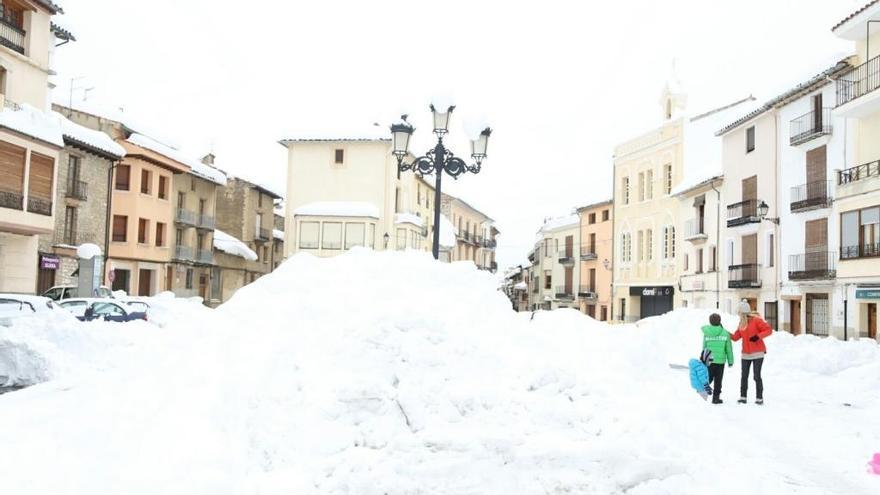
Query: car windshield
[(12, 307), (53, 293), (103, 292), (77, 308)]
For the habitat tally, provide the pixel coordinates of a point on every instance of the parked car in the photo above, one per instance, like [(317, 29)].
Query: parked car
[(107, 309), (14, 306), (62, 292)]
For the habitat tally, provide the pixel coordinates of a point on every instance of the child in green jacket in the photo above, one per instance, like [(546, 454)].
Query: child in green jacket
[(717, 340)]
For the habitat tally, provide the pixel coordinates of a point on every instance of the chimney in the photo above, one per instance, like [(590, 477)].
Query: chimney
[(208, 159)]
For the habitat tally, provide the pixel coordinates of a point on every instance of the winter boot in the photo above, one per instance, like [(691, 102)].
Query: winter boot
[(759, 402), (742, 400), (717, 401)]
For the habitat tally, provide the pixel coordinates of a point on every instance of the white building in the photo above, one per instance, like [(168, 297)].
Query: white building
[(555, 273)]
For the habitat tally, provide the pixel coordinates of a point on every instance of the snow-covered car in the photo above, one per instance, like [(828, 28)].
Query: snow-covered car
[(88, 309), (62, 292), (14, 306)]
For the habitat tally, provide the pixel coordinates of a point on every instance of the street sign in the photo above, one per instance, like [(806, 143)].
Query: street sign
[(868, 293)]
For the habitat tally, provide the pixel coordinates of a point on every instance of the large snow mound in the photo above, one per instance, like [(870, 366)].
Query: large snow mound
[(390, 373)]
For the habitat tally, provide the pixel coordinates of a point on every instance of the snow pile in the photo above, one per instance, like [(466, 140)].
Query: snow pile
[(389, 373), (88, 251), (447, 232), (278, 234), (338, 209), (410, 218), (29, 120), (89, 137), (230, 245), (197, 167)]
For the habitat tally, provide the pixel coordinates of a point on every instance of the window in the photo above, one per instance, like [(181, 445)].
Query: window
[(730, 252), (667, 178), (143, 228), (163, 187), (265, 254), (712, 259), (371, 236), (548, 280), (649, 244), (605, 215), (665, 247), (603, 313), (146, 181), (339, 156), (625, 190), (641, 186), (860, 233), (699, 267), (192, 184), (332, 236), (649, 184), (401, 239), (189, 278), (12, 15), (626, 247), (750, 139), (640, 253), (771, 315), (181, 200), (309, 233), (354, 235), (592, 218), (72, 170), (200, 241), (123, 177), (771, 252), (178, 240), (160, 234), (685, 262), (70, 225), (120, 228), (259, 199)]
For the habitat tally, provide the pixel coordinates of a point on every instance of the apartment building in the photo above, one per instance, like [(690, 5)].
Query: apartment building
[(856, 180), (555, 276), (81, 198), (595, 252), (517, 288), (646, 171), (245, 211), (700, 221), (30, 140), (476, 234)]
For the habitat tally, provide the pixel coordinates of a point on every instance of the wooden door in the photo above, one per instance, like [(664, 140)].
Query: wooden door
[(817, 113), (169, 274), (592, 243), (816, 159), (816, 245), (144, 283), (795, 309), (45, 279), (593, 279), (569, 246), (750, 188), (569, 280), (750, 249), (872, 320), (203, 286)]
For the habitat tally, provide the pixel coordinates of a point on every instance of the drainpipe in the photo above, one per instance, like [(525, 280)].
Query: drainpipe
[(107, 217), (613, 234), (717, 245)]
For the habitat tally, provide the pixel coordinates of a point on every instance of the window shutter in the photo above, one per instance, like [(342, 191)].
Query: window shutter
[(40, 177), (11, 168)]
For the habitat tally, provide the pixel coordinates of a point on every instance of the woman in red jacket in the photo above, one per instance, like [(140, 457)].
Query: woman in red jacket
[(752, 330)]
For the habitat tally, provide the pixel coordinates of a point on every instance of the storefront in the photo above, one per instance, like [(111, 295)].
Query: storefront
[(653, 301), (868, 299)]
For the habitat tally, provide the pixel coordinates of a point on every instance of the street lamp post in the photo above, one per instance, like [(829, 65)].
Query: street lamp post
[(438, 159)]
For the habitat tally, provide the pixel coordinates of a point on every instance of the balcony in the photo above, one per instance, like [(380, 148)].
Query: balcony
[(742, 213), (489, 243), (563, 292), (183, 253), (11, 36), (588, 253), (185, 217), (532, 257), (10, 199), (811, 196), (566, 258), (206, 222), (535, 286), (860, 251), (859, 82), (815, 265), (77, 189), (695, 229), (205, 256), (858, 173), (746, 276), (587, 292), (810, 126), (39, 206), (262, 235)]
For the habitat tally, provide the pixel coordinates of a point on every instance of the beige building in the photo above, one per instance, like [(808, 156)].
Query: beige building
[(857, 182), (595, 254), (475, 233), (555, 276), (646, 171), (30, 140)]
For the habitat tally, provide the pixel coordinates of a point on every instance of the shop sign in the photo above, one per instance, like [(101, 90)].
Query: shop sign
[(48, 262), (661, 291), (868, 293)]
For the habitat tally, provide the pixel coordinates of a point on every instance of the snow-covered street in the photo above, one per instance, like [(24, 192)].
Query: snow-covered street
[(422, 380)]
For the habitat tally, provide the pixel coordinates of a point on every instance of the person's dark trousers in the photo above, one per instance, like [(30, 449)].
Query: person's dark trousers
[(744, 381), (716, 375)]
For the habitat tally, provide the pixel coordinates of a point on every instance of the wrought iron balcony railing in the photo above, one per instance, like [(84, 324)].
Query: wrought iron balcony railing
[(12, 36), (205, 256), (11, 199), (811, 195), (587, 291), (206, 222), (744, 276), (564, 292), (77, 189), (695, 228), (588, 253), (858, 82), (39, 206), (185, 217), (566, 257), (810, 126), (535, 286), (860, 251), (264, 235), (859, 172), (184, 253), (812, 265), (742, 213)]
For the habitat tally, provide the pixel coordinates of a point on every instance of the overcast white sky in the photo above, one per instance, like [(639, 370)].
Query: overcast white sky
[(559, 82)]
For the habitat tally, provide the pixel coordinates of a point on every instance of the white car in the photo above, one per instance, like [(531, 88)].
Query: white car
[(13, 306), (62, 292), (107, 309)]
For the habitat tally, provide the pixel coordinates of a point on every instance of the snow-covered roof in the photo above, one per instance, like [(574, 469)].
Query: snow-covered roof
[(409, 218), (696, 180), (375, 132), (230, 245), (32, 122), (447, 232), (561, 222), (338, 209), (278, 234), (521, 285), (88, 138), (198, 168)]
